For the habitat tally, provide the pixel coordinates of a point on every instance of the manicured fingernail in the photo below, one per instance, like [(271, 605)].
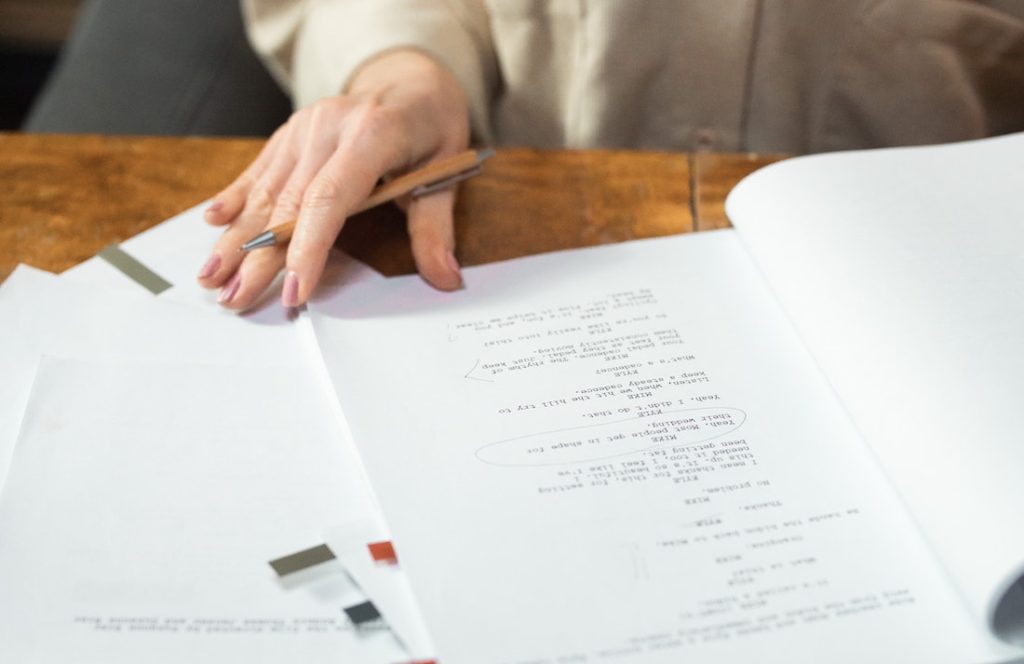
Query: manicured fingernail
[(290, 291), (230, 289), (210, 267), (453, 264), (216, 207)]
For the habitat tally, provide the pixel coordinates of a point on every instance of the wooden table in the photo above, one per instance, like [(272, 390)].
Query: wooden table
[(63, 198)]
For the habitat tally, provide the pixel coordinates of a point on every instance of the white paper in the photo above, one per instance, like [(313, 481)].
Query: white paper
[(903, 271), (625, 454), (385, 583), (17, 367), (176, 249), (42, 314), (143, 503)]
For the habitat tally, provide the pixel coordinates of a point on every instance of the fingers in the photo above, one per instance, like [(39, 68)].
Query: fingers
[(254, 275), (314, 155), (322, 164), (322, 216), (343, 182), (228, 203), (320, 195), (432, 233), (259, 268), (254, 216)]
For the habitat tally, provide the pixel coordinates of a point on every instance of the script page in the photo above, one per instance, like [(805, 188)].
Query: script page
[(625, 454), (903, 271), (141, 507)]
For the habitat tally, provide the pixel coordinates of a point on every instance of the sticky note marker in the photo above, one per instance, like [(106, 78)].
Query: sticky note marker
[(383, 553), (134, 270), (301, 560), (360, 614)]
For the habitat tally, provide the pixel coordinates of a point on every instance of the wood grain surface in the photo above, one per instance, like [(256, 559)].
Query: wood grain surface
[(713, 176), (63, 198)]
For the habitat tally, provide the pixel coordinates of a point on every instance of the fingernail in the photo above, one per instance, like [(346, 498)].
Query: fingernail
[(230, 289), (216, 207), (453, 264), (290, 291), (211, 265)]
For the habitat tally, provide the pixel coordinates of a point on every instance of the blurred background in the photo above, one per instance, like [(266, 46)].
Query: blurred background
[(159, 67), (31, 34)]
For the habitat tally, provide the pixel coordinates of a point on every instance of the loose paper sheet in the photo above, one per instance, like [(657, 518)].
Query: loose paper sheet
[(174, 249), (40, 313), (385, 583), (903, 271), (143, 503), (625, 453)]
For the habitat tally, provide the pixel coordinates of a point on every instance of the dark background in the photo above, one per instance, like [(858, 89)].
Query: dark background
[(31, 34), (139, 67)]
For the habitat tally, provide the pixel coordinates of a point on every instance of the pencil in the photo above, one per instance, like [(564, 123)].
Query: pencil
[(433, 177)]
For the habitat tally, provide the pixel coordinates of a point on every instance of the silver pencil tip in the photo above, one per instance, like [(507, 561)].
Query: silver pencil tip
[(264, 239)]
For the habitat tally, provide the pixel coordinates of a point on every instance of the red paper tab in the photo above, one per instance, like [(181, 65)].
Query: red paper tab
[(383, 552)]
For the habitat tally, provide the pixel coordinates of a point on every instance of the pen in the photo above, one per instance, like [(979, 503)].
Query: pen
[(434, 177)]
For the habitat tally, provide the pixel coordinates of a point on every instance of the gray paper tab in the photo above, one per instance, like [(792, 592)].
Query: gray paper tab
[(134, 270), (360, 614), (301, 560)]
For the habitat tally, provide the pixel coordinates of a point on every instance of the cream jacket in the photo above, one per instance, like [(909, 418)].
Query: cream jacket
[(761, 75)]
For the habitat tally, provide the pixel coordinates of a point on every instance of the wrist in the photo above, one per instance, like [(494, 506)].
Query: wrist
[(389, 68)]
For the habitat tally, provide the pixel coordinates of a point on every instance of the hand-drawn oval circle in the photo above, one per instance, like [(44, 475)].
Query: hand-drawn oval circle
[(606, 440)]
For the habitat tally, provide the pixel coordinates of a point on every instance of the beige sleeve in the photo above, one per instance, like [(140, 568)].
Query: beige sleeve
[(1012, 7), (314, 46)]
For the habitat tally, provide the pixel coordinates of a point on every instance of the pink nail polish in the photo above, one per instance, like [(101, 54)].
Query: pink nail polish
[(230, 289), (210, 267), (453, 264), (216, 207), (290, 292)]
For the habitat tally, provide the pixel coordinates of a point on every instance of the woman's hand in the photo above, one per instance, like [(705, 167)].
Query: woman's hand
[(401, 111)]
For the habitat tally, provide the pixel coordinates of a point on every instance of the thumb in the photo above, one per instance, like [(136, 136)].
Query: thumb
[(432, 233)]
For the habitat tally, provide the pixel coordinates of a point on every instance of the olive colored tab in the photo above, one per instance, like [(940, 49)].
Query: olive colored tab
[(134, 270), (301, 560)]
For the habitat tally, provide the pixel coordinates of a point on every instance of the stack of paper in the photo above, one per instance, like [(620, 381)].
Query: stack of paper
[(158, 452), (796, 441)]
